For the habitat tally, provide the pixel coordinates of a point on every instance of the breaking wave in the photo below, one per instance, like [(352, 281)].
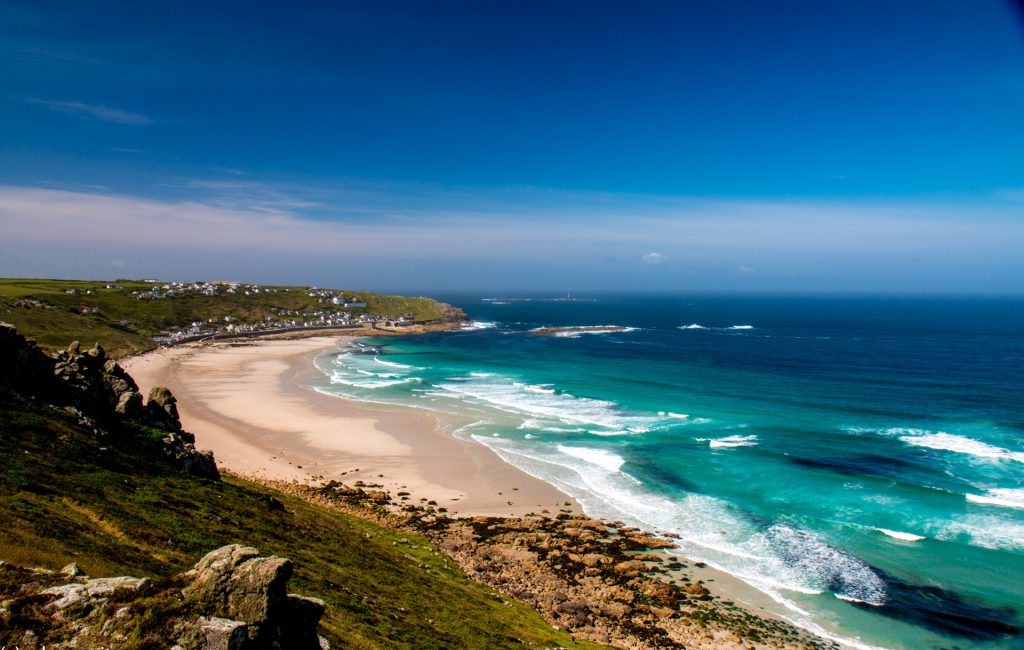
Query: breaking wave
[(895, 534), (730, 441), (541, 402), (1004, 497), (774, 557)]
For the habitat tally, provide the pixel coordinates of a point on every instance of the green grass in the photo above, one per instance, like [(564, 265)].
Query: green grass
[(109, 503), (42, 310)]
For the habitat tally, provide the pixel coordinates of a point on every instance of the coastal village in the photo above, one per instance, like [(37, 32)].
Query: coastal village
[(134, 315), (338, 311)]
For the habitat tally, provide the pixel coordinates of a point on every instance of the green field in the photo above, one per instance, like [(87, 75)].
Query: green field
[(44, 310)]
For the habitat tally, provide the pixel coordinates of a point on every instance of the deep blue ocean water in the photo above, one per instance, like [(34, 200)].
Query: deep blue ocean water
[(858, 460)]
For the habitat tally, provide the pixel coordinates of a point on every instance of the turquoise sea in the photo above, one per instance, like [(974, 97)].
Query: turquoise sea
[(860, 461)]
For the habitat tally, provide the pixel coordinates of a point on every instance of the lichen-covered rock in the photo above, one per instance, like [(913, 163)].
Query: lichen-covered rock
[(129, 404), (233, 599), (161, 409), (258, 589), (234, 582), (222, 634), (72, 570), (78, 599)]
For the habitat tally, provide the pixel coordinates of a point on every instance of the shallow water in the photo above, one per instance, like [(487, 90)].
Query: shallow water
[(859, 460)]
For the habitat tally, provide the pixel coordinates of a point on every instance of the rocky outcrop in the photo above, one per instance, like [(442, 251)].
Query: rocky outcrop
[(450, 314), (232, 599), (248, 596), (23, 366), (600, 579), (99, 391)]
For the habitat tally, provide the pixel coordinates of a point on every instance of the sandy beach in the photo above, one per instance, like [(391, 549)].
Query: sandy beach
[(247, 402)]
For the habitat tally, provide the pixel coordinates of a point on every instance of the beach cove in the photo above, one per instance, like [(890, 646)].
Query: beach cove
[(714, 420), (249, 405)]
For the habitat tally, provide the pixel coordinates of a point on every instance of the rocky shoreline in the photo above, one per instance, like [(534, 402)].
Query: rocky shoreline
[(600, 580)]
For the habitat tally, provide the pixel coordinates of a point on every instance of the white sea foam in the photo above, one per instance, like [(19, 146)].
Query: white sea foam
[(546, 425), (733, 441), (541, 389), (895, 534), (1004, 497), (989, 531), (391, 364), (670, 414), (943, 441), (697, 326), (573, 333), (544, 403), (479, 325), (337, 378), (366, 371), (601, 457), (773, 558)]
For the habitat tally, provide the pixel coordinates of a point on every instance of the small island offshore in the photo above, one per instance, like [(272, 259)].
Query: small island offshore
[(123, 530), (573, 332)]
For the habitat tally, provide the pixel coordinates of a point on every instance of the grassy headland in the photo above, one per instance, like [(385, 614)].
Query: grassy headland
[(81, 482), (124, 315)]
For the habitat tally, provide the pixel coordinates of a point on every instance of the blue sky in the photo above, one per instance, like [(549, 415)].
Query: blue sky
[(754, 146)]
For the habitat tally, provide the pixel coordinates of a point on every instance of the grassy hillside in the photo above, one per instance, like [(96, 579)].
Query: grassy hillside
[(105, 501), (45, 310)]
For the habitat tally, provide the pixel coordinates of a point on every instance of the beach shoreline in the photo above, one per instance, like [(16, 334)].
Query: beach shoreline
[(247, 402), (252, 403)]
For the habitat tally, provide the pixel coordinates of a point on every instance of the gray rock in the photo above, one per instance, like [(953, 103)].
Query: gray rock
[(161, 408), (223, 633), (129, 404), (72, 570), (79, 598), (258, 588), (233, 582)]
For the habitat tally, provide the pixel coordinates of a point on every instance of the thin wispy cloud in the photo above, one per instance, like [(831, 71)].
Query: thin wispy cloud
[(97, 112), (433, 236)]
